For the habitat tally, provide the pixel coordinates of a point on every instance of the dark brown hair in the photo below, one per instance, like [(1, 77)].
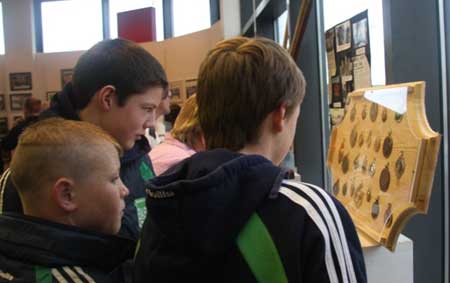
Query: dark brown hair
[(241, 81)]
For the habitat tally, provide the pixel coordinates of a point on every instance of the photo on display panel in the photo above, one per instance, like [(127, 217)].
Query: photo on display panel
[(17, 101), (20, 81)]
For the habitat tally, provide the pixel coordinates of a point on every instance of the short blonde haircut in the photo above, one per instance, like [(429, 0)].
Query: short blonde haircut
[(187, 127), (55, 148)]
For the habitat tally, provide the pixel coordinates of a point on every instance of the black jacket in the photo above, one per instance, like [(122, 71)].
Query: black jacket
[(198, 209), (10, 141), (135, 170), (32, 249)]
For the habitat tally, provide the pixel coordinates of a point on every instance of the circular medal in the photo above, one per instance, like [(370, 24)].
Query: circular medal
[(384, 115), (353, 137), (375, 209), (385, 179), (356, 163), (352, 189), (387, 146), (359, 195), (400, 166), (344, 189), (373, 112), (364, 164), (336, 188)]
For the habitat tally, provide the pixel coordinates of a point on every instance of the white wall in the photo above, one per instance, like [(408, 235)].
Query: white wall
[(180, 56)]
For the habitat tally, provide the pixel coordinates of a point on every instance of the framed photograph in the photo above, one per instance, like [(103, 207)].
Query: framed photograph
[(176, 90), (20, 81), (66, 76), (191, 87), (343, 36), (3, 126), (360, 34), (50, 95), (17, 100), (2, 102)]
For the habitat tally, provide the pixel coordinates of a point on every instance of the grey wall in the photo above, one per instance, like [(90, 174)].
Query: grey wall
[(412, 53)]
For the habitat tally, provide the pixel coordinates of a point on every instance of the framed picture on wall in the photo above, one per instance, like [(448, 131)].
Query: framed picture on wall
[(3, 126), (66, 76), (20, 81), (17, 100), (50, 95), (191, 87), (176, 90), (2, 102)]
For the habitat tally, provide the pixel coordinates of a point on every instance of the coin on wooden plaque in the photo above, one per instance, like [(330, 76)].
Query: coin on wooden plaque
[(372, 168), (373, 112), (388, 215), (400, 165), (359, 196), (353, 137), (369, 139), (364, 112), (377, 144), (361, 139), (384, 115), (375, 208), (388, 144), (344, 189), (385, 178), (336, 188), (356, 164), (369, 194), (353, 113), (398, 117), (364, 163), (352, 189), (344, 164)]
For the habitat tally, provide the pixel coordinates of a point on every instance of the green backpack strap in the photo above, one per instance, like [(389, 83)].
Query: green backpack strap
[(260, 253)]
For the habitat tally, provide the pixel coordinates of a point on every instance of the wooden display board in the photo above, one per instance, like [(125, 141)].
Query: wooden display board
[(383, 157)]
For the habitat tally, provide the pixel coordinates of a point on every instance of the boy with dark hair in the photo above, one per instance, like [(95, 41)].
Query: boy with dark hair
[(230, 214), (117, 85), (58, 168)]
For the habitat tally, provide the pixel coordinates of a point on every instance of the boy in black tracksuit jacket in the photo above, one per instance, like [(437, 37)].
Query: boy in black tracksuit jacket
[(62, 235), (230, 214), (117, 85)]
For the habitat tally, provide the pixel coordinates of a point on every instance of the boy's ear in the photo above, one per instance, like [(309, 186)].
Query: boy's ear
[(278, 118), (106, 96), (64, 195)]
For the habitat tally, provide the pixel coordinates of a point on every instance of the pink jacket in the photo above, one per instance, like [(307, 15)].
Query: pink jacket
[(168, 153)]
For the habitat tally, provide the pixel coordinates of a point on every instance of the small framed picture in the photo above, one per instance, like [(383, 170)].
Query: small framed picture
[(20, 81), (191, 87), (176, 90), (50, 95), (17, 100), (3, 126), (66, 76), (2, 102)]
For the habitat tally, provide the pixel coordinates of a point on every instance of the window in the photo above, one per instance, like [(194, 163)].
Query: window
[(190, 16), (336, 12), (280, 27), (71, 24), (117, 6), (2, 36)]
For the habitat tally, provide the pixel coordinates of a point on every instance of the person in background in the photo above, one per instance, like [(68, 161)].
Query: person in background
[(229, 214), (117, 85), (169, 119), (32, 108), (155, 134), (185, 139), (60, 167)]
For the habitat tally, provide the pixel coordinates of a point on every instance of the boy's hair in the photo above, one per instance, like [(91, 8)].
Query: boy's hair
[(118, 62), (55, 148), (240, 82), (187, 127)]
